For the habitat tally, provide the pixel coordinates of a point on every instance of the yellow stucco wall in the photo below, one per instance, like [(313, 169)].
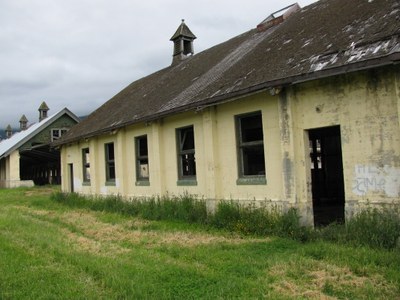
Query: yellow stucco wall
[(366, 108), (215, 144), (365, 105), (9, 172)]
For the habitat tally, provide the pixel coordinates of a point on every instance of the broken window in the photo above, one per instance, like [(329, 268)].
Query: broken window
[(57, 133), (142, 159), (186, 153), (250, 143), (315, 154), (110, 162), (86, 165)]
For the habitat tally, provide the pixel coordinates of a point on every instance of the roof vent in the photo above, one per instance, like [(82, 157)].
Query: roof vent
[(23, 123), (43, 109), (8, 131), (183, 43), (278, 17)]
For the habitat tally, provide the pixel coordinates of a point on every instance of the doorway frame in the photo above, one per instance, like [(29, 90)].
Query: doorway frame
[(71, 187), (334, 208)]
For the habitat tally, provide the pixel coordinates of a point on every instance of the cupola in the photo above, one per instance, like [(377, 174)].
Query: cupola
[(183, 43), (23, 123), (43, 109), (8, 131)]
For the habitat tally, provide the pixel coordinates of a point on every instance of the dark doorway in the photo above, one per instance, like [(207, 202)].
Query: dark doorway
[(71, 177), (327, 175), (41, 164)]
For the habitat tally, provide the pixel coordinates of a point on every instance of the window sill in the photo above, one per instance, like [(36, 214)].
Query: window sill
[(86, 183), (251, 181), (142, 183), (186, 182), (110, 183)]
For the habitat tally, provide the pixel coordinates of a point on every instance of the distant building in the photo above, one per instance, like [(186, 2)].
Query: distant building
[(302, 111), (26, 157)]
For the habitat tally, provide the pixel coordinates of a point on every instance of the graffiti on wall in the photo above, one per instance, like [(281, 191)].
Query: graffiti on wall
[(384, 180)]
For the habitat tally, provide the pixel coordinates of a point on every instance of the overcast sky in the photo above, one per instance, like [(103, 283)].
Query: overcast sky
[(79, 53)]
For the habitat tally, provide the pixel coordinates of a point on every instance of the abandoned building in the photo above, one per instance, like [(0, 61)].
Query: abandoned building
[(26, 157), (301, 111)]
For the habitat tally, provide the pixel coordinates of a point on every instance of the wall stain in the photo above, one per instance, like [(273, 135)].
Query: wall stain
[(287, 167)]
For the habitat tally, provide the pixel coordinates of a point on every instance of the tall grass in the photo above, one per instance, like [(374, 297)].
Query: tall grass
[(229, 215), (180, 208), (249, 219), (371, 227)]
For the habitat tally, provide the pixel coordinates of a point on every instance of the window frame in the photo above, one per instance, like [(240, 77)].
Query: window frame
[(182, 178), (141, 180), (86, 166), (109, 163), (60, 131), (248, 179)]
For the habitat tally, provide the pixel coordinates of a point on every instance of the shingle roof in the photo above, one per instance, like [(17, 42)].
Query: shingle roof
[(183, 31), (323, 39)]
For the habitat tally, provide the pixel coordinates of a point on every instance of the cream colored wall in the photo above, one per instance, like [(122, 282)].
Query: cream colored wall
[(9, 172), (216, 155), (365, 105), (4, 171), (397, 87), (226, 150), (14, 166)]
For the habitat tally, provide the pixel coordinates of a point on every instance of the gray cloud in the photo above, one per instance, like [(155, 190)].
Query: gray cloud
[(79, 53)]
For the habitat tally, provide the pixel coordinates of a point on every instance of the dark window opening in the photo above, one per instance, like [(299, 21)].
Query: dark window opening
[(186, 153), (187, 47), (142, 159), (57, 133), (110, 162), (250, 145)]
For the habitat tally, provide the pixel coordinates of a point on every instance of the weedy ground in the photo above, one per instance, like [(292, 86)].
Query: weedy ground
[(49, 250)]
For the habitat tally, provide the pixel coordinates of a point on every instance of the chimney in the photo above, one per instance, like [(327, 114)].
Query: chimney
[(23, 123), (8, 131), (183, 43), (43, 111), (278, 17)]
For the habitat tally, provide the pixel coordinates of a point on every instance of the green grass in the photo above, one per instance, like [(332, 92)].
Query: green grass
[(49, 250)]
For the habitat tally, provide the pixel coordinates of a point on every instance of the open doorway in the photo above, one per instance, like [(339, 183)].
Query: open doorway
[(71, 178), (327, 175)]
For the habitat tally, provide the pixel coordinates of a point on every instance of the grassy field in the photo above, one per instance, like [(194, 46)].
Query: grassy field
[(51, 251)]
